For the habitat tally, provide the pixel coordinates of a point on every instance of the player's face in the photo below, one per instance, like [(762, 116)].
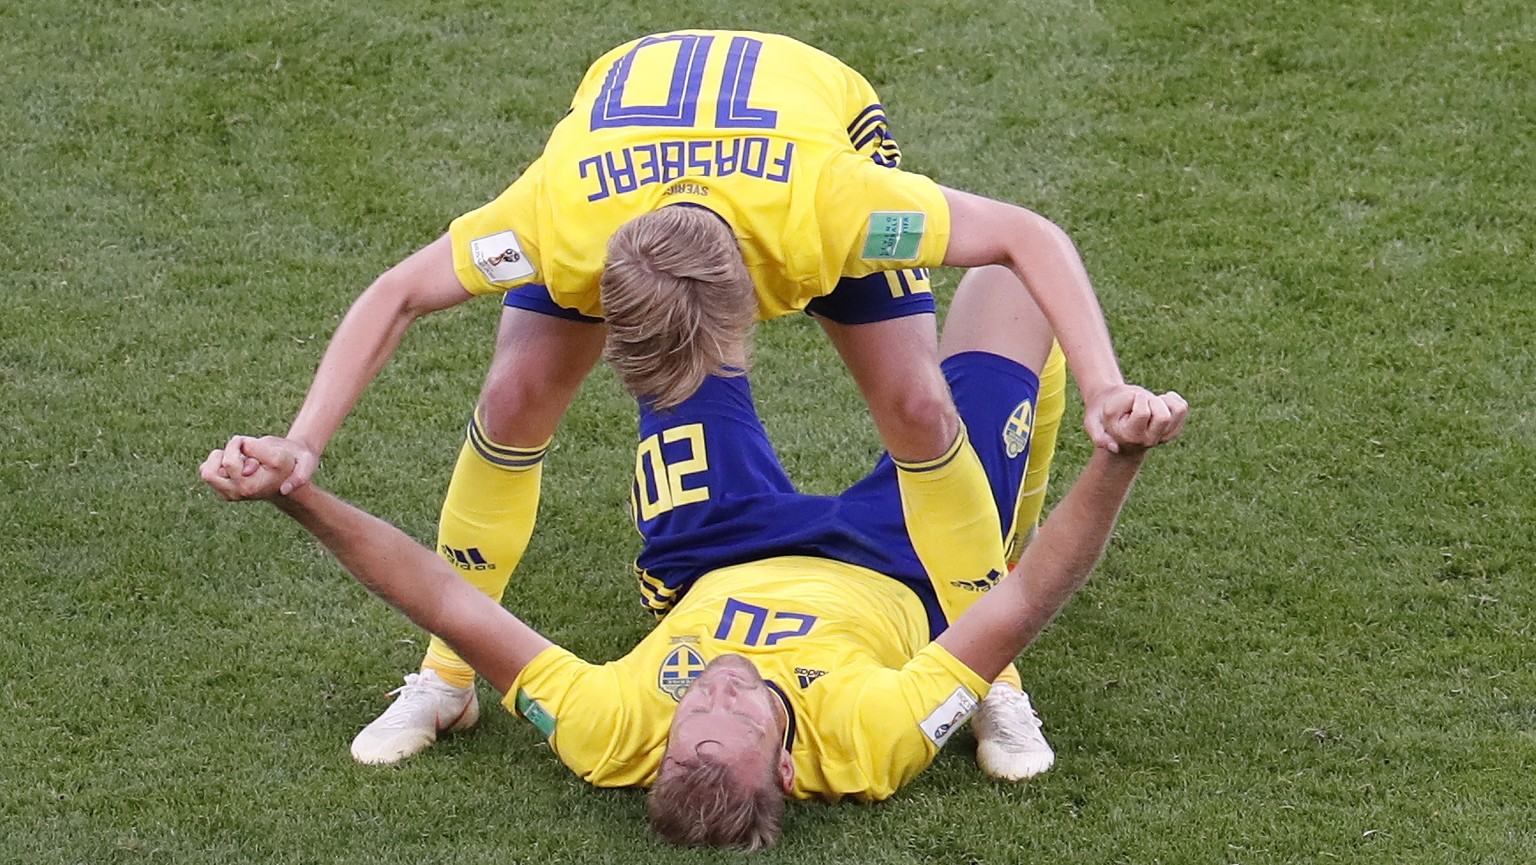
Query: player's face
[(728, 714)]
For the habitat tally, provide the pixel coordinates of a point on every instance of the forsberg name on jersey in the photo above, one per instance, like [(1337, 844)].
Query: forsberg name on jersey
[(629, 168)]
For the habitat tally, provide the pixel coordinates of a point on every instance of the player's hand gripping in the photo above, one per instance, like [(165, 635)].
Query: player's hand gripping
[(257, 468), (1134, 418)]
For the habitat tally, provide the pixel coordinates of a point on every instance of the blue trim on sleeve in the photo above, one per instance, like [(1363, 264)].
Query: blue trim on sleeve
[(877, 108)]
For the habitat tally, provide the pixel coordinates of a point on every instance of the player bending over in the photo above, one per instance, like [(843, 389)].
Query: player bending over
[(788, 195), (793, 674)]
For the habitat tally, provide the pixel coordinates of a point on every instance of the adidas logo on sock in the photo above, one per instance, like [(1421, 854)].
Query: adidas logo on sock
[(467, 559)]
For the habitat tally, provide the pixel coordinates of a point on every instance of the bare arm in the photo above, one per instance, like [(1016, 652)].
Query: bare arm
[(984, 231), (1057, 564), (388, 563), (366, 339)]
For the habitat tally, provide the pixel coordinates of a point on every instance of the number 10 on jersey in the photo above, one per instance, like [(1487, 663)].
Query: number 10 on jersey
[(733, 109)]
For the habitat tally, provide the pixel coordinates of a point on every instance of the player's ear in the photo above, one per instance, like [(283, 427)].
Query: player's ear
[(786, 771)]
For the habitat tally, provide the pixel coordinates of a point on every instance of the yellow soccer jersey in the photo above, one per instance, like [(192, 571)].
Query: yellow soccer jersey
[(783, 141), (869, 700)]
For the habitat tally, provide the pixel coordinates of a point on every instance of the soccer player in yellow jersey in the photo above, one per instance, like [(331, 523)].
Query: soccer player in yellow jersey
[(702, 179), (783, 673)]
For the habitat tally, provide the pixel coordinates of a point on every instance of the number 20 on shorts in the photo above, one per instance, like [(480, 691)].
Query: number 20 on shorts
[(660, 485)]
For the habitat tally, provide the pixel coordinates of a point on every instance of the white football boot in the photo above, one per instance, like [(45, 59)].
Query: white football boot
[(1010, 745), (424, 707)]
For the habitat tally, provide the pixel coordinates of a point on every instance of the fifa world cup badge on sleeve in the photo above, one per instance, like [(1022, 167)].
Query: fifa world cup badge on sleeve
[(950, 714), (894, 235), (500, 257)]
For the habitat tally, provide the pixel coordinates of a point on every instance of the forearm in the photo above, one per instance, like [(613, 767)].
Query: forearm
[(367, 338), (1047, 262), (1054, 567), (369, 334), (984, 231), (384, 559), (1072, 540), (418, 583)]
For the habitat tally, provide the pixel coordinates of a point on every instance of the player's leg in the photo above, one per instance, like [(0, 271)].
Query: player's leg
[(990, 315), (883, 327), (993, 314), (542, 356), (1049, 409)]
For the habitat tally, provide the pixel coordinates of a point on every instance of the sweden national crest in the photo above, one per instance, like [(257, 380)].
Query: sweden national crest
[(678, 670), (1016, 431)]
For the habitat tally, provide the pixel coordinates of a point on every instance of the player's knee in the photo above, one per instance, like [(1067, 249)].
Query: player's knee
[(919, 424), (519, 410), (925, 408)]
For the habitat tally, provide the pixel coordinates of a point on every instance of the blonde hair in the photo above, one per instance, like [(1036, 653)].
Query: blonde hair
[(698, 803), (679, 302)]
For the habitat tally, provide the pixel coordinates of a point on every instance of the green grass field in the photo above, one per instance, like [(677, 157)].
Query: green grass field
[(1311, 642)]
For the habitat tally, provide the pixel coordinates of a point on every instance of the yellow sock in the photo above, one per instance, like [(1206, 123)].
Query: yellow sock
[(952, 524), (1050, 405), (487, 519)]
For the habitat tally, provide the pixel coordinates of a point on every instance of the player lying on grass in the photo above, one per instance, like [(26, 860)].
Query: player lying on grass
[(790, 673), (790, 198)]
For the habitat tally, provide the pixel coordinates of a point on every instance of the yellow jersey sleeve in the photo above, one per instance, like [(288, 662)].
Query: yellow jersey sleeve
[(892, 725), (877, 218), (496, 246), (592, 716)]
